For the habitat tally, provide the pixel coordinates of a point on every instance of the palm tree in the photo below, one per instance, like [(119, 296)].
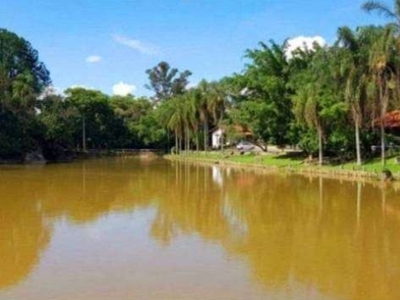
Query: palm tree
[(354, 63), (23, 92), (383, 9), (307, 99), (380, 59), (193, 98), (203, 108), (380, 63), (317, 101), (172, 118), (392, 14), (306, 108), (188, 117), (216, 102)]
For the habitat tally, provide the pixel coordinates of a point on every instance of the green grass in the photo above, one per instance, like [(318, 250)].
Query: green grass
[(374, 165), (292, 162)]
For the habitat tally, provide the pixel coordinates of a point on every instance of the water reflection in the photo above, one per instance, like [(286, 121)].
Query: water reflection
[(325, 237), (24, 233)]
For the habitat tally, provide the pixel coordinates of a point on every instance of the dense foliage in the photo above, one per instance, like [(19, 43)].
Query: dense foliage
[(326, 100)]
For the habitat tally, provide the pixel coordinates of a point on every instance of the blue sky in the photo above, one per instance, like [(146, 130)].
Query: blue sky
[(100, 43)]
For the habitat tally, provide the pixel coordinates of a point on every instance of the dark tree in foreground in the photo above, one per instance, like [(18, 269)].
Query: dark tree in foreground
[(22, 78)]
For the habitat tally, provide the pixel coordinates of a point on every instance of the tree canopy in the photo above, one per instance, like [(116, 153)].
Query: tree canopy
[(167, 82)]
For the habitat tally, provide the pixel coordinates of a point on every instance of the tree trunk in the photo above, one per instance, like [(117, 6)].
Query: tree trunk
[(320, 152), (168, 137), (176, 142), (184, 140), (382, 127), (205, 135), (358, 146), (197, 139), (383, 158), (83, 133), (187, 139)]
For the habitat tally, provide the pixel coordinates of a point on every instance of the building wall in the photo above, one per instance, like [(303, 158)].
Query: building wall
[(216, 138)]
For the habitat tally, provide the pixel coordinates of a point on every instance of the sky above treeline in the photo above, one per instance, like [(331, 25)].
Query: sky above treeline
[(109, 44)]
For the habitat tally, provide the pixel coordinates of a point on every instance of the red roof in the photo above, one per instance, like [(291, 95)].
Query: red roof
[(237, 128), (390, 120)]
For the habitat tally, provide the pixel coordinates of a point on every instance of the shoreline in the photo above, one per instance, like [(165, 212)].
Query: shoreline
[(306, 170), (73, 156)]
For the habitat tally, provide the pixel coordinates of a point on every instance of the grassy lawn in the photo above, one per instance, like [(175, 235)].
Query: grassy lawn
[(291, 161)]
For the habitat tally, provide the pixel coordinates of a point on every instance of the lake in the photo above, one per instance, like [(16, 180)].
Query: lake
[(154, 229)]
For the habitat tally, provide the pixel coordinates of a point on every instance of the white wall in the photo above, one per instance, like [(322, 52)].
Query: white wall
[(216, 138)]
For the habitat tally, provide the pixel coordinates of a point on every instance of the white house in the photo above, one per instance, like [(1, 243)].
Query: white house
[(216, 138), (219, 136)]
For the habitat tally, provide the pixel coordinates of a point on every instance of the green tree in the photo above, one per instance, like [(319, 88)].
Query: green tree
[(383, 69), (171, 117), (141, 120), (356, 72), (22, 78), (381, 56), (265, 84), (209, 102), (383, 9), (317, 102), (17, 56), (59, 118), (167, 82), (98, 122)]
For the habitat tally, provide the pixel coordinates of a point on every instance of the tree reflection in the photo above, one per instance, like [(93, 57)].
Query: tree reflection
[(191, 206), (340, 238), (288, 227), (24, 233), (34, 199), (88, 191)]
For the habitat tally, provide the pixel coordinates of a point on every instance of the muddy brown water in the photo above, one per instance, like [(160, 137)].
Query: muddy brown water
[(154, 229)]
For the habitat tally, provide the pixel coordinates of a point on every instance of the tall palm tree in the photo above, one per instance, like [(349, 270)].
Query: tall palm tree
[(188, 118), (354, 64), (385, 10), (210, 101), (392, 14), (193, 98), (307, 109), (380, 63), (317, 102), (216, 102), (172, 118), (203, 108), (380, 57)]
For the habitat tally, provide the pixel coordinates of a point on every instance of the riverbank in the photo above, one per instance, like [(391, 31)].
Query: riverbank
[(71, 156), (371, 169)]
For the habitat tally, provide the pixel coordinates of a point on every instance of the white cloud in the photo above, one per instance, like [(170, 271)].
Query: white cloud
[(93, 59), (123, 89), (136, 45), (303, 42)]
